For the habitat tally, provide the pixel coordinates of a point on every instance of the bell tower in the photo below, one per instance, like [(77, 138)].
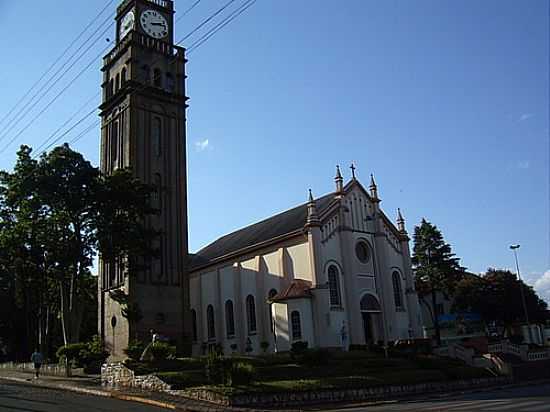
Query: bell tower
[(143, 127)]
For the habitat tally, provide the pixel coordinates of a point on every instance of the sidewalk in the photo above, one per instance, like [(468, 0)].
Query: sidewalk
[(90, 385)]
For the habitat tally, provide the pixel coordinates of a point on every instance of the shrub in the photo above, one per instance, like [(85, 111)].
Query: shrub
[(315, 357), (298, 349), (135, 349), (242, 373), (72, 352), (162, 351), (217, 368), (182, 380), (89, 355)]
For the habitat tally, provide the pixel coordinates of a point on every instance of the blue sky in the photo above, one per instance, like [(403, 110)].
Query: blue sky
[(445, 102)]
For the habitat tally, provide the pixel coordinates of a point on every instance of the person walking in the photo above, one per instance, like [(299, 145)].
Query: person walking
[(37, 359)]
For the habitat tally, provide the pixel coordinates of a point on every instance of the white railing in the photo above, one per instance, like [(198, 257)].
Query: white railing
[(521, 351)]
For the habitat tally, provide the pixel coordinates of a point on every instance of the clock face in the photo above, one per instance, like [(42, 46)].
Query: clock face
[(127, 24), (154, 24)]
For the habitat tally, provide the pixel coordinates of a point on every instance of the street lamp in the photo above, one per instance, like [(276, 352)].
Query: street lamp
[(514, 249)]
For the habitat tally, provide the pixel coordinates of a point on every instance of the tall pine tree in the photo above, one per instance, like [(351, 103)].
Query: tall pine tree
[(437, 269)]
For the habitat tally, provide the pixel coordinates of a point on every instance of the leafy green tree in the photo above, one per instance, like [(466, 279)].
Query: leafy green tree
[(437, 269), (56, 214), (496, 296)]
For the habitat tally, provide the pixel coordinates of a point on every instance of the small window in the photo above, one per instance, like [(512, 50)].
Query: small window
[(117, 83), (334, 286), (397, 291), (296, 325), (123, 76), (194, 325), (362, 252), (157, 78), (111, 88), (170, 83), (211, 326), (229, 319), (157, 136), (251, 314), (145, 74), (272, 293)]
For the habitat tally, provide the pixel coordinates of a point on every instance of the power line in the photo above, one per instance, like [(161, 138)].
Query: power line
[(85, 132), (186, 12), (51, 102), (200, 26), (220, 26), (31, 105), (67, 121), (197, 44), (56, 61)]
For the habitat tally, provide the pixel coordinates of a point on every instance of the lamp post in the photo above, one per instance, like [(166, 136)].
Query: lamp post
[(514, 248)]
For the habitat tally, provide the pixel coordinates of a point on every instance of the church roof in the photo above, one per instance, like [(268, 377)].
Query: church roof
[(271, 228), (297, 289)]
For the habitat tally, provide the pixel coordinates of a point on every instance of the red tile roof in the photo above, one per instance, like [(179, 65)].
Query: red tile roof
[(297, 289)]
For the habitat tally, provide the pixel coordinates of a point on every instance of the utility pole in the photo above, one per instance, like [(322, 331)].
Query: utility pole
[(514, 249)]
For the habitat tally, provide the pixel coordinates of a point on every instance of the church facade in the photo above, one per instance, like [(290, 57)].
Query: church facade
[(332, 272)]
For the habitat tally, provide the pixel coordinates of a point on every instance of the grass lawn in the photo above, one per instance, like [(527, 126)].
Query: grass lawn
[(344, 370)]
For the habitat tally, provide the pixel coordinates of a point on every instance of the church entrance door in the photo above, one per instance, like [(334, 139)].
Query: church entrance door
[(371, 316)]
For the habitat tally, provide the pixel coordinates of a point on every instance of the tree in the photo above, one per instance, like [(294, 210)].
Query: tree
[(497, 297), (437, 269), (56, 214)]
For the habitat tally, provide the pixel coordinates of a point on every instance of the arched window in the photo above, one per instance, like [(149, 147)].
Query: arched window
[(157, 135), (114, 144), (334, 286), (145, 74), (272, 293), (123, 76), (117, 83), (296, 325), (157, 78), (194, 324), (229, 319), (170, 83), (111, 88), (211, 326), (251, 314), (397, 291), (369, 303), (158, 192)]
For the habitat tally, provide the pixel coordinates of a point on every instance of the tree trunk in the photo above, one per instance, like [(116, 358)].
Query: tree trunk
[(436, 318)]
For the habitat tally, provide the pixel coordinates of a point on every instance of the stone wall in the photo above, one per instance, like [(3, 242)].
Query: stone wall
[(116, 375), (367, 394), (52, 369)]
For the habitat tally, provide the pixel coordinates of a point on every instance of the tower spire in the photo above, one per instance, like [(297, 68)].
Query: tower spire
[(373, 188), (312, 216), (400, 222), (339, 181)]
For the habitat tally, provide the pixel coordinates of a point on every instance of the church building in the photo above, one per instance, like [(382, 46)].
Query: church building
[(331, 272)]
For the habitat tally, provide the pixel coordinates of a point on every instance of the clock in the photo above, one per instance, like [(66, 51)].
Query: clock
[(127, 24), (154, 24)]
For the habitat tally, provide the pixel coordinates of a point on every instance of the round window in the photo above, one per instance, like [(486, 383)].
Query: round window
[(362, 252)]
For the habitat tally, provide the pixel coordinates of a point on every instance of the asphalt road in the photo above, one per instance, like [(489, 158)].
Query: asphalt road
[(524, 399), (25, 398)]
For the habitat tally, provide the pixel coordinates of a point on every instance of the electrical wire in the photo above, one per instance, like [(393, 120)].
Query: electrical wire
[(29, 106), (220, 26), (63, 54)]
